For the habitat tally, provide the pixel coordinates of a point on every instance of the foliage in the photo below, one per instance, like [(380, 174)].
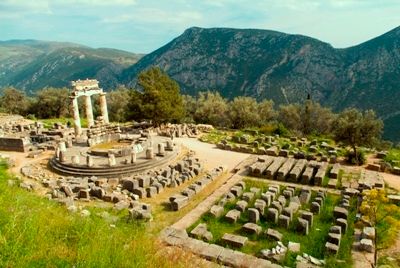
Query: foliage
[(190, 104), (351, 157), (51, 103), (117, 104), (243, 112), (160, 100), (212, 109), (14, 101), (382, 215), (354, 128), (393, 157)]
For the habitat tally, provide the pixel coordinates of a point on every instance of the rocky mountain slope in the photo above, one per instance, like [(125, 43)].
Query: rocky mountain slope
[(284, 67), (32, 64)]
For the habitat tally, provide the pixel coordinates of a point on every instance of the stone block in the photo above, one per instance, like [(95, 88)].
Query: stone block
[(272, 215), (305, 196), (130, 184), (241, 205), (342, 223), (368, 233), (151, 191), (84, 194), (293, 247), (260, 205), (237, 191), (251, 228), (367, 245), (334, 238), (144, 181), (277, 206), (217, 211), (302, 226), (232, 216), (339, 212), (335, 229), (234, 240), (201, 232), (283, 221), (254, 215), (331, 249), (315, 208), (248, 196), (288, 212), (140, 191), (274, 234), (179, 203), (308, 216)]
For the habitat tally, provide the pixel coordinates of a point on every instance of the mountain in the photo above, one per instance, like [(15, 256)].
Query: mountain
[(284, 68), (33, 64)]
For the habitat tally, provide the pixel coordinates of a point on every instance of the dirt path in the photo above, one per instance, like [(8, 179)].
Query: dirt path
[(211, 155)]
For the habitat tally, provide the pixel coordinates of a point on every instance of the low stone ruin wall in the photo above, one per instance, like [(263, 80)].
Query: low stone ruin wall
[(14, 144)]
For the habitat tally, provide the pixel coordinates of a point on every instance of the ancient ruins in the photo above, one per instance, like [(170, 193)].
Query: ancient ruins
[(271, 205)]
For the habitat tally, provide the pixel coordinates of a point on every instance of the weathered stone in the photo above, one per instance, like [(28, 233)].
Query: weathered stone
[(342, 223), (254, 215), (334, 238), (335, 229), (288, 212), (308, 216), (179, 203), (217, 211), (237, 191), (282, 200), (130, 184), (255, 190), (248, 196), (260, 205), (331, 248), (251, 228), (283, 221), (369, 233), (84, 194), (277, 206), (140, 191), (339, 212), (201, 232), (367, 245), (294, 247), (302, 226), (267, 197), (234, 240), (144, 181), (151, 191), (305, 196), (272, 215), (241, 205), (232, 216), (315, 208), (274, 234)]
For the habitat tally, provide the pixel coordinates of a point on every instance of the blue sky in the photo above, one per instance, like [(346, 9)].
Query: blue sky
[(144, 25)]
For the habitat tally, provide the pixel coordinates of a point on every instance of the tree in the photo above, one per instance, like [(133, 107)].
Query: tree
[(212, 109), (51, 103), (14, 101), (117, 103), (190, 104), (355, 129), (243, 112), (290, 116), (266, 111), (160, 99)]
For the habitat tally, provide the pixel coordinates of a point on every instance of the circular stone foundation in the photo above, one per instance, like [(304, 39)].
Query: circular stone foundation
[(103, 160)]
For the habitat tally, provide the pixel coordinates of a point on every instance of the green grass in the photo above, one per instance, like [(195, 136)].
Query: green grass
[(312, 244), (36, 232), (393, 157)]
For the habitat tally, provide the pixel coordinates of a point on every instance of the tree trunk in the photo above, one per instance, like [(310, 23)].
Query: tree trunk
[(355, 153)]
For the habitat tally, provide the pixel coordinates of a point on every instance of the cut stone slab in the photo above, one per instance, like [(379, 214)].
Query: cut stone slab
[(342, 223), (251, 228), (334, 238), (272, 215), (283, 221), (241, 205), (233, 215), (339, 212), (368, 233), (302, 226), (274, 234), (217, 211), (254, 215), (367, 245), (234, 240), (331, 248), (248, 196), (201, 232), (293, 247)]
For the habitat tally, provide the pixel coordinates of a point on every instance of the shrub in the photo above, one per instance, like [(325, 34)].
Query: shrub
[(351, 158)]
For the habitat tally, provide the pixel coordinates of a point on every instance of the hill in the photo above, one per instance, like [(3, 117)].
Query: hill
[(33, 64), (284, 67)]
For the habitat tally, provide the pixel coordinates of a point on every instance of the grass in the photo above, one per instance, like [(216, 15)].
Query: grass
[(36, 232), (312, 244), (393, 157)]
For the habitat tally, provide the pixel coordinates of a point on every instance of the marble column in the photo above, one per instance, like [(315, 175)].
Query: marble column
[(77, 120), (103, 107), (89, 111)]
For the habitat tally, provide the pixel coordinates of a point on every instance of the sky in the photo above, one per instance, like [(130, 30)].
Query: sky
[(142, 26)]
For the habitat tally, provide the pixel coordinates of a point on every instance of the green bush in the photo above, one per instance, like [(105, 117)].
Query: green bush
[(351, 158)]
